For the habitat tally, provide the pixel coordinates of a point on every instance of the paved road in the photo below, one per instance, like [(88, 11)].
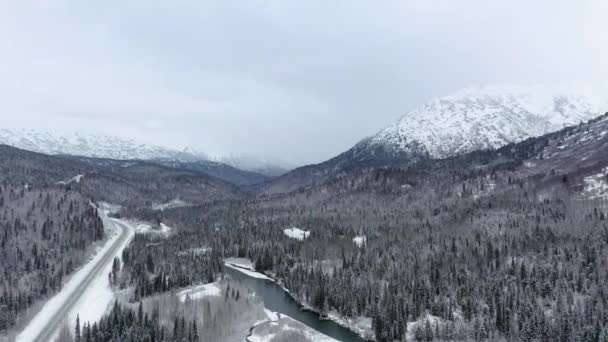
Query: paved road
[(59, 316)]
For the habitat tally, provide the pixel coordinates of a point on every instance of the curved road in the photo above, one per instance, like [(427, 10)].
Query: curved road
[(59, 314)]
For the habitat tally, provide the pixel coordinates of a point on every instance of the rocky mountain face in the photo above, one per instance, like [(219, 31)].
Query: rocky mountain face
[(471, 119)]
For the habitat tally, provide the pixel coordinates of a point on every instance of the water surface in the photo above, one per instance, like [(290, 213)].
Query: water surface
[(276, 299)]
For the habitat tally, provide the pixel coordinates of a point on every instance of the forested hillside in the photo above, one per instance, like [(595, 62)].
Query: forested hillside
[(497, 244), (45, 233), (130, 183)]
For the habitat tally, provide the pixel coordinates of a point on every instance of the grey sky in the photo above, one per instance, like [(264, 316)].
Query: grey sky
[(294, 80)]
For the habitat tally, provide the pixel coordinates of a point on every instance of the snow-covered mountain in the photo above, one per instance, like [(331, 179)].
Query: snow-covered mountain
[(111, 147), (471, 119), (88, 145), (488, 117)]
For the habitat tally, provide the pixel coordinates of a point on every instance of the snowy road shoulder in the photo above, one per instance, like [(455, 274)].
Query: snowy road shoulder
[(87, 288)]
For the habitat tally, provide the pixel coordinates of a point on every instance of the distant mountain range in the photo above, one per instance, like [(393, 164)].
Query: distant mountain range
[(475, 118), (238, 170), (472, 119)]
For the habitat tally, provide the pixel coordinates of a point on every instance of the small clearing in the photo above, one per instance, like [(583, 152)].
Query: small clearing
[(200, 291), (146, 228), (296, 233), (176, 203), (360, 240)]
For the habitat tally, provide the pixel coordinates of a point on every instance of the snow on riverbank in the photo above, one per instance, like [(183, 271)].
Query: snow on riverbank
[(360, 325), (241, 262), (94, 302), (296, 233), (286, 329), (246, 268)]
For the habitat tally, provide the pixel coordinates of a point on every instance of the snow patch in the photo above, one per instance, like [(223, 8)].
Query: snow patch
[(176, 203), (146, 228), (282, 328), (596, 186), (360, 240), (241, 262), (296, 233), (75, 179), (107, 208), (196, 251), (248, 272), (199, 292)]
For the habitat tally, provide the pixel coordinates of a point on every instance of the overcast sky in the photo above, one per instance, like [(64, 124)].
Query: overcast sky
[(298, 81)]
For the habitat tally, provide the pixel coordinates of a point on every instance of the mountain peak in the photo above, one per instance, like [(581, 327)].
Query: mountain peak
[(489, 117)]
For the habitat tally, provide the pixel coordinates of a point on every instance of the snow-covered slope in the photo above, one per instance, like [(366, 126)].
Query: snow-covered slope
[(88, 145), (488, 117), (239, 170)]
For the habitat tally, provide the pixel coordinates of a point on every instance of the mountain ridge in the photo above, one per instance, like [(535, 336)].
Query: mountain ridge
[(103, 146), (475, 118)]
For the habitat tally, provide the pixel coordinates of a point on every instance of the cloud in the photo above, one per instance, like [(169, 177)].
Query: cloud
[(298, 81)]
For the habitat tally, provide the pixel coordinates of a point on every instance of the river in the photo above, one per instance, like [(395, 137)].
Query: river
[(276, 299)]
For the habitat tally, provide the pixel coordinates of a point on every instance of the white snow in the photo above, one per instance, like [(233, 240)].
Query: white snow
[(248, 272), (94, 301), (359, 240), (94, 144), (360, 325), (75, 179), (176, 203), (596, 186), (272, 316), (165, 230), (490, 117), (107, 208), (241, 262), (146, 228), (196, 251), (296, 233), (419, 324), (98, 298), (266, 332), (89, 145), (200, 291)]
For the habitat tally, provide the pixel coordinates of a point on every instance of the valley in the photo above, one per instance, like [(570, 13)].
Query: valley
[(493, 244), (303, 171)]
